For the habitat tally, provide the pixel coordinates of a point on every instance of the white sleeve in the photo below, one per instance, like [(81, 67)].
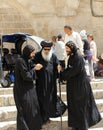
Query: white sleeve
[(79, 43)]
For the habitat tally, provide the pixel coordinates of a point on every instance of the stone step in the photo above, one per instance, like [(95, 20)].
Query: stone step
[(8, 113), (96, 128), (65, 119), (6, 100), (99, 103), (8, 125), (53, 125), (6, 90), (98, 94), (96, 84)]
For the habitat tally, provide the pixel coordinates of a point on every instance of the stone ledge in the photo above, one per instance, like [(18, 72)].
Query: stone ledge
[(6, 90), (98, 94), (8, 125), (7, 113), (97, 84), (6, 100), (53, 125)]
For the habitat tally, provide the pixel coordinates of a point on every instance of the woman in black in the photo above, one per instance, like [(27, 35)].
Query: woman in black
[(88, 56), (82, 109), (28, 113)]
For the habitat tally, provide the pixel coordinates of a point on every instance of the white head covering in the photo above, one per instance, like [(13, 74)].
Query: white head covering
[(83, 34)]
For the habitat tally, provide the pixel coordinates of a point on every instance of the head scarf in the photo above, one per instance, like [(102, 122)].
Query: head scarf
[(27, 50), (59, 36), (72, 47), (83, 34)]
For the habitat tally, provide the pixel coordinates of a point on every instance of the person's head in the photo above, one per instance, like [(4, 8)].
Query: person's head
[(83, 34), (71, 48), (28, 51), (46, 49), (90, 37), (54, 39), (100, 61), (68, 29), (60, 37)]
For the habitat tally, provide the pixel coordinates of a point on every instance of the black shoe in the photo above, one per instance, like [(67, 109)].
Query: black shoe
[(45, 120), (73, 128)]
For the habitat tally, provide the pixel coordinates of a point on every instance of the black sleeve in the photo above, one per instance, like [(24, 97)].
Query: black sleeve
[(72, 71), (55, 64), (25, 73), (56, 60), (36, 58)]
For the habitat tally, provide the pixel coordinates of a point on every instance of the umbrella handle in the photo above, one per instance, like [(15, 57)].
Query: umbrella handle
[(60, 98)]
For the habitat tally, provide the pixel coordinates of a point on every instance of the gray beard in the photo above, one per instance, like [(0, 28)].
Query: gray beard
[(47, 57)]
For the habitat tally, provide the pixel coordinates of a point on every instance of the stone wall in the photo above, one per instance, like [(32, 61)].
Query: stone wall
[(13, 18), (48, 17)]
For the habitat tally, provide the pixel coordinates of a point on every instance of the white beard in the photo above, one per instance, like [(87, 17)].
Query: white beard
[(47, 57)]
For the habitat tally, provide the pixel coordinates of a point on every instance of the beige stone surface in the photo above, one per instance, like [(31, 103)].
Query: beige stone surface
[(39, 6), (97, 7), (8, 113), (48, 17), (13, 18)]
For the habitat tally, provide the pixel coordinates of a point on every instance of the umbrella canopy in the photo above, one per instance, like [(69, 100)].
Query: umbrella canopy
[(16, 42), (21, 39)]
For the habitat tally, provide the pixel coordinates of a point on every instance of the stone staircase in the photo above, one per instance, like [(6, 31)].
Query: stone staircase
[(8, 109)]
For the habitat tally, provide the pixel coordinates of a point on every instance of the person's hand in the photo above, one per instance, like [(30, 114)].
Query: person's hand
[(38, 66), (59, 68), (94, 59), (82, 54)]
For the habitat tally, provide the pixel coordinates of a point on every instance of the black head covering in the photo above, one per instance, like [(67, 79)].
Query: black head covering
[(27, 50), (72, 46), (100, 60), (59, 36), (46, 43)]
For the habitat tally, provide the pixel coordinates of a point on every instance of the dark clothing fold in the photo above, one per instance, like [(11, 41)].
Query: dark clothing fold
[(46, 85), (25, 96), (82, 110), (86, 45)]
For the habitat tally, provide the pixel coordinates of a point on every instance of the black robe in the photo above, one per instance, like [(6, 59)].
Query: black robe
[(46, 86), (82, 109), (28, 112)]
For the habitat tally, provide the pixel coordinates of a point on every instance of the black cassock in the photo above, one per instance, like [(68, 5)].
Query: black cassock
[(28, 111), (82, 109), (46, 85)]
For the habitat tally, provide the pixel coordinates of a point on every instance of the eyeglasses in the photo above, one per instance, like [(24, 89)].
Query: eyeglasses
[(46, 49)]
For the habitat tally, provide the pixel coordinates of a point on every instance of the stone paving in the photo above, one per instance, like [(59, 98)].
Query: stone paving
[(8, 109)]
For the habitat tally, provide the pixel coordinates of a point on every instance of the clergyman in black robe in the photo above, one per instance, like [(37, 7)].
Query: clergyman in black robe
[(46, 80), (25, 96), (82, 110)]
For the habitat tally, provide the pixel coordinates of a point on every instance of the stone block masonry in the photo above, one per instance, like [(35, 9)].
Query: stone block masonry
[(48, 17)]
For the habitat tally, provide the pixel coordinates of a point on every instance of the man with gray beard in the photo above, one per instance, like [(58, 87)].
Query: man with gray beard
[(46, 80)]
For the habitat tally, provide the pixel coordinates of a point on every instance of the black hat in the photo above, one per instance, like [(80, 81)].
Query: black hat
[(46, 43), (72, 46)]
